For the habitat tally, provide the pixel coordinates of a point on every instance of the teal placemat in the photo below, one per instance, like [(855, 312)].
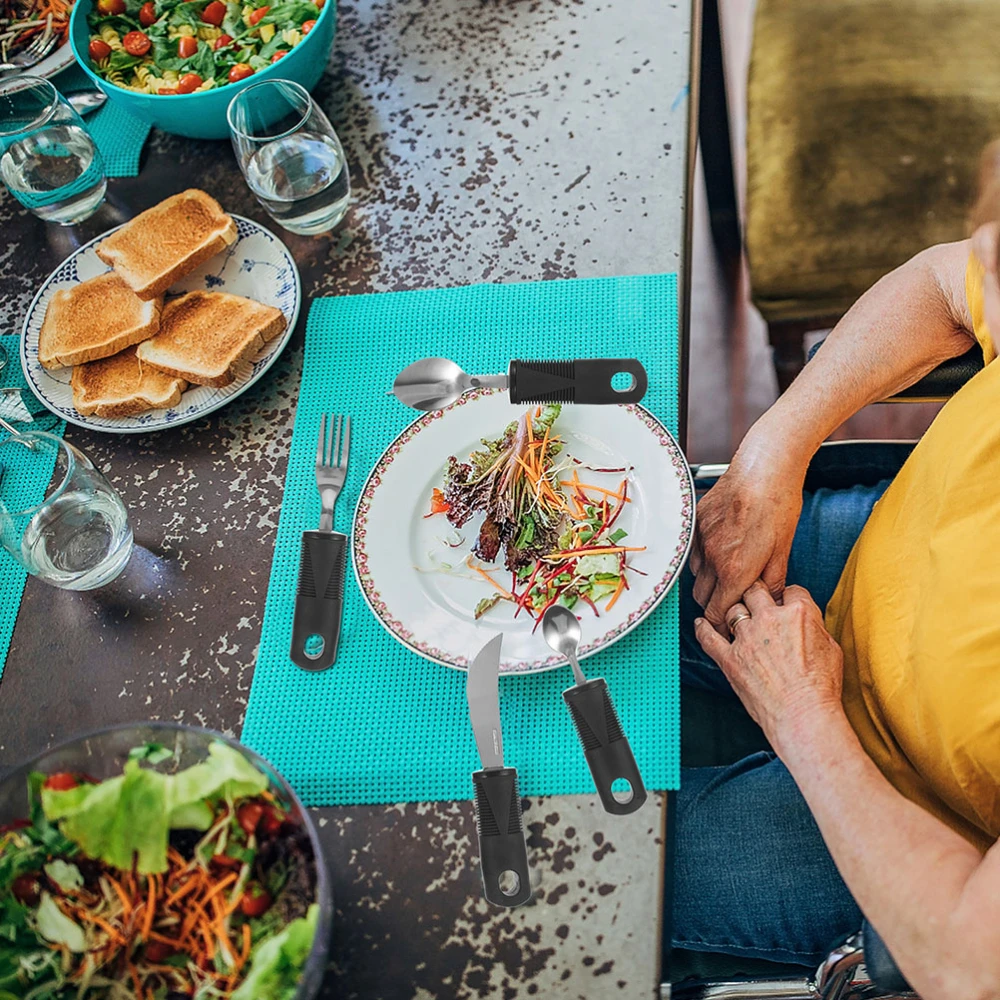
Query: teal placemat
[(384, 725), (29, 485), (118, 134)]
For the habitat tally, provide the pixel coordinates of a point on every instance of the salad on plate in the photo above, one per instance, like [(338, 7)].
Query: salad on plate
[(196, 885), (188, 46), (558, 533)]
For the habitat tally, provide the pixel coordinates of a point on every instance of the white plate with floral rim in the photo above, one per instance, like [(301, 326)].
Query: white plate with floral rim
[(428, 604), (257, 266)]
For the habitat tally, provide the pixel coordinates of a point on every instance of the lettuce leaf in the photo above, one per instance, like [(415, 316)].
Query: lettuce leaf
[(276, 964), (131, 816), (53, 925)]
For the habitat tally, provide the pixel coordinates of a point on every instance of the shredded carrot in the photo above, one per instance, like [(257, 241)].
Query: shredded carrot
[(616, 594), (245, 953), (219, 886), (188, 886), (134, 973), (603, 550), (163, 939), (120, 893), (206, 934), (100, 922), (617, 494), (486, 576)]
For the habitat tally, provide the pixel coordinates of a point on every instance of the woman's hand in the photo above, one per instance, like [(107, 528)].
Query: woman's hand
[(745, 527), (782, 662)]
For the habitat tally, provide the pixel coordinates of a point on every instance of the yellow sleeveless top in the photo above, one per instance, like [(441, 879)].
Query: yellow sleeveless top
[(917, 611)]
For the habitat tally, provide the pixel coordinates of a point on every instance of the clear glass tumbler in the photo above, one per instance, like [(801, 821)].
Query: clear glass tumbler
[(78, 537), (47, 159), (290, 156)]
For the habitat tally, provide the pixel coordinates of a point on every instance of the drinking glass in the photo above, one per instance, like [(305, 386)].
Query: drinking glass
[(290, 156), (78, 537), (47, 160)]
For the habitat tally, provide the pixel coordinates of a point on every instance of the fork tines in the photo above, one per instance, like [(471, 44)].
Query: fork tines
[(334, 447)]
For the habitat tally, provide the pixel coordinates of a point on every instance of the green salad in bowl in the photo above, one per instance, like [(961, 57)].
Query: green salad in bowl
[(161, 882), (166, 47)]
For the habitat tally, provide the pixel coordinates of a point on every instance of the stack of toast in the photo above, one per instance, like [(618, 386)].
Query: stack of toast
[(129, 351)]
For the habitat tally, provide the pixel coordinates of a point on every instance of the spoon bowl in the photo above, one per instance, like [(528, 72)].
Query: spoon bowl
[(562, 631), (431, 384)]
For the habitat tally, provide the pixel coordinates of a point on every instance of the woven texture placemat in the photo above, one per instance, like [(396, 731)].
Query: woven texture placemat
[(118, 134), (384, 725), (26, 486)]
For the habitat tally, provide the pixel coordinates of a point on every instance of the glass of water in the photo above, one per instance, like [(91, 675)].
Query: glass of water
[(78, 537), (47, 160), (290, 156)]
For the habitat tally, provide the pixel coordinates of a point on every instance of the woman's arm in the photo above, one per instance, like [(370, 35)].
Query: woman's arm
[(933, 898), (903, 327)]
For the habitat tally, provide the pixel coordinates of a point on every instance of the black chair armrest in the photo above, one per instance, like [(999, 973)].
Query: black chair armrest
[(943, 382), (882, 969)]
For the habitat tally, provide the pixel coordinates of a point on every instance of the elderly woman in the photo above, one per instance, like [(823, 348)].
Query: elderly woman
[(882, 796)]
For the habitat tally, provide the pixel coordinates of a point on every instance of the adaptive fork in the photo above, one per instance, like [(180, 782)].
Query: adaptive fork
[(319, 602), (39, 47)]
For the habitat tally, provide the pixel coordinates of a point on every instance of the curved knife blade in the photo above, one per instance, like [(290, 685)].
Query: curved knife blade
[(484, 702)]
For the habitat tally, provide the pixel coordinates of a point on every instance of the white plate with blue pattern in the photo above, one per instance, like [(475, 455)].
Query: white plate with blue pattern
[(257, 266)]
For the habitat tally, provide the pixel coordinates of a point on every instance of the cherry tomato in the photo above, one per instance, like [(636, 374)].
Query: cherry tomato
[(189, 83), (248, 816), (136, 43), (186, 46), (61, 781), (27, 889), (240, 72), (165, 91), (277, 55), (98, 49), (256, 901), (147, 14), (308, 26), (222, 41), (319, 4), (157, 952), (225, 861), (108, 7), (271, 822), (257, 14), (214, 13)]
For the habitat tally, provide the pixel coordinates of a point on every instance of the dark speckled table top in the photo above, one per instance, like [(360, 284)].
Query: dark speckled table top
[(488, 140)]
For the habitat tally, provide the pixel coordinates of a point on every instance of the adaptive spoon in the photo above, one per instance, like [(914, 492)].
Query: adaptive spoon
[(605, 746)]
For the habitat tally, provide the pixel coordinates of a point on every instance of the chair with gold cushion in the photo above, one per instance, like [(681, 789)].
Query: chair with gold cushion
[(865, 123)]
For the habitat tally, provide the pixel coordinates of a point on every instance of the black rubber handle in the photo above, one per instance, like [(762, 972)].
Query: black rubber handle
[(503, 853), (319, 602), (605, 746), (586, 380)]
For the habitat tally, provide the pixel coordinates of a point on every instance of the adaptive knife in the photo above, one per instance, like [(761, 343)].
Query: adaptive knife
[(502, 850), (434, 383)]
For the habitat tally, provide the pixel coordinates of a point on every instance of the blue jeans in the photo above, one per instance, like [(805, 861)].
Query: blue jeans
[(752, 876)]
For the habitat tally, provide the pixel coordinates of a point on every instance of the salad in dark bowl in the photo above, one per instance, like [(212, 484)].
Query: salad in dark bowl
[(158, 862)]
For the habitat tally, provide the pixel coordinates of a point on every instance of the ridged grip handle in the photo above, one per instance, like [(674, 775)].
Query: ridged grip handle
[(605, 746), (503, 853), (319, 602), (585, 380)]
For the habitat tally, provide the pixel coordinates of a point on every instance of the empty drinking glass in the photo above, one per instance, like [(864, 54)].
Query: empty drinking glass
[(290, 156), (78, 537), (47, 160)]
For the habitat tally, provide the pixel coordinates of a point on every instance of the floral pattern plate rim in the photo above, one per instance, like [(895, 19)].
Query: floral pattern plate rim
[(257, 265), (429, 611)]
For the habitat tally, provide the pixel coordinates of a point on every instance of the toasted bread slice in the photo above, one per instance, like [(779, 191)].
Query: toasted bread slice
[(166, 242), (205, 336), (94, 319), (120, 386)]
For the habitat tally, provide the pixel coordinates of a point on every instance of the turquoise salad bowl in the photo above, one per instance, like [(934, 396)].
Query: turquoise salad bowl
[(203, 115)]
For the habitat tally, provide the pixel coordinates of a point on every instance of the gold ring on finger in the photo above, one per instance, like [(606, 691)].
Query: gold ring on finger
[(742, 616)]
